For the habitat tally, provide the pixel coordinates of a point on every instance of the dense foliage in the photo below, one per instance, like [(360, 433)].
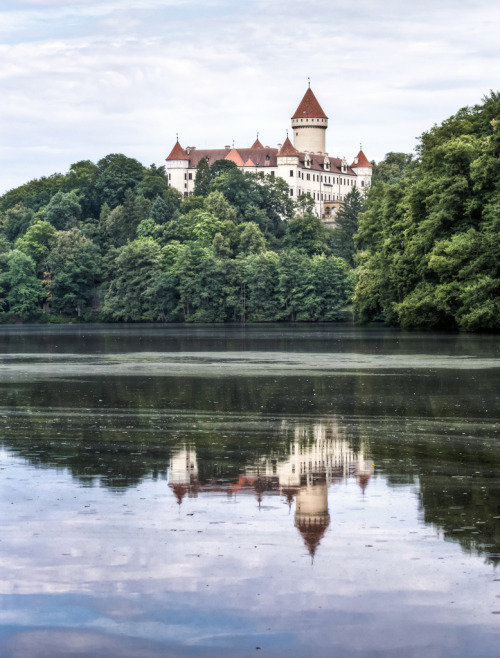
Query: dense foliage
[(113, 242), (429, 248)]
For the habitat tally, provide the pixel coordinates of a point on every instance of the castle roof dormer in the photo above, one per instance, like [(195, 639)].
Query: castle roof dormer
[(309, 107), (177, 153), (361, 161), (287, 149)]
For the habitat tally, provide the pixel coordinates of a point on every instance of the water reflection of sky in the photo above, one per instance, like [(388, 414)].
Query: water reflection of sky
[(136, 573)]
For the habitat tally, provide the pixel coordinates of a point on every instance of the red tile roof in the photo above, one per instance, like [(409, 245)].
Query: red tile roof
[(288, 148), (309, 107), (362, 160), (235, 157), (250, 163), (261, 157), (177, 153), (257, 144), (266, 157)]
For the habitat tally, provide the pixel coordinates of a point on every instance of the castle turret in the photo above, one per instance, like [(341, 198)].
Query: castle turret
[(309, 125), (177, 168), (363, 168), (287, 159)]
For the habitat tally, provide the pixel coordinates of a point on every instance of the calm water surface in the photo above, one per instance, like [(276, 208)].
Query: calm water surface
[(267, 490)]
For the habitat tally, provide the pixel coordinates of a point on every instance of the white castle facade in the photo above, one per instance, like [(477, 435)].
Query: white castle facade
[(304, 165)]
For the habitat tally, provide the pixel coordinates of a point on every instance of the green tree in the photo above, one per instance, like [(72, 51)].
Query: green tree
[(16, 221), (63, 210), (24, 292), (74, 267), (346, 226), (392, 168), (154, 183), (36, 243), (81, 179), (429, 255), (117, 174), (307, 234), (252, 240), (202, 179), (134, 294)]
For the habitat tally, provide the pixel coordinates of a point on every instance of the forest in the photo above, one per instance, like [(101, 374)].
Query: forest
[(112, 242)]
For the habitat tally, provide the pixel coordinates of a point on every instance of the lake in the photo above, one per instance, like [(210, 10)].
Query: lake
[(274, 490)]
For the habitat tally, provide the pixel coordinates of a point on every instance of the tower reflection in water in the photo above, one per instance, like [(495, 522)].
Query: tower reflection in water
[(317, 457)]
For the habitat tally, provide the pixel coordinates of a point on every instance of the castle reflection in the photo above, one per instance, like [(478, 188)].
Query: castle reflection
[(315, 460)]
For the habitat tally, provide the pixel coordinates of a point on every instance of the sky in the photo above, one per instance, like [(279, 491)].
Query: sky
[(83, 78)]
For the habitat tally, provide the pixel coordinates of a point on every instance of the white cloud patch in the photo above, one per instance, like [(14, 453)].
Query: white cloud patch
[(84, 78)]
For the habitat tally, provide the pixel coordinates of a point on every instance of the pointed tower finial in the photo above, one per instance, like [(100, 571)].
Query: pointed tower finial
[(257, 135), (287, 134), (309, 81), (233, 143), (360, 146), (177, 136)]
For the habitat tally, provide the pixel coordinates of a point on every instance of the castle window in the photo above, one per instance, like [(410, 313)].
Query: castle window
[(272, 173), (170, 177), (291, 173), (185, 176), (362, 183), (308, 176), (190, 176), (267, 158), (291, 192)]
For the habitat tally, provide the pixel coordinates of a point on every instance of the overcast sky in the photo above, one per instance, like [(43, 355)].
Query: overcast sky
[(83, 78)]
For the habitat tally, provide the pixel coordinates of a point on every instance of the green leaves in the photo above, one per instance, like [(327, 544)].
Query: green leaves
[(431, 250)]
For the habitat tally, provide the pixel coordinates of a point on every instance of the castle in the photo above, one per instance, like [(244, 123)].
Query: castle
[(304, 165)]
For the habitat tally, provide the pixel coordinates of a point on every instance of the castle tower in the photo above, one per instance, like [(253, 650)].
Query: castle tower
[(363, 168), (177, 168), (309, 124)]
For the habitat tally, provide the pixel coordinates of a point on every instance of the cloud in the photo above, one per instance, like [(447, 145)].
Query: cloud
[(82, 79)]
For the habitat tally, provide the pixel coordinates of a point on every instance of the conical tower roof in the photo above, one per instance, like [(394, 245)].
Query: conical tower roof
[(287, 149), (361, 161), (177, 153), (257, 144), (309, 107)]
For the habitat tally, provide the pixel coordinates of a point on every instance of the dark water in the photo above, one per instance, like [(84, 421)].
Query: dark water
[(228, 491)]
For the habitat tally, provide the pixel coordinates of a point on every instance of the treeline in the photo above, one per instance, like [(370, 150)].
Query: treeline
[(428, 243), (113, 242)]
